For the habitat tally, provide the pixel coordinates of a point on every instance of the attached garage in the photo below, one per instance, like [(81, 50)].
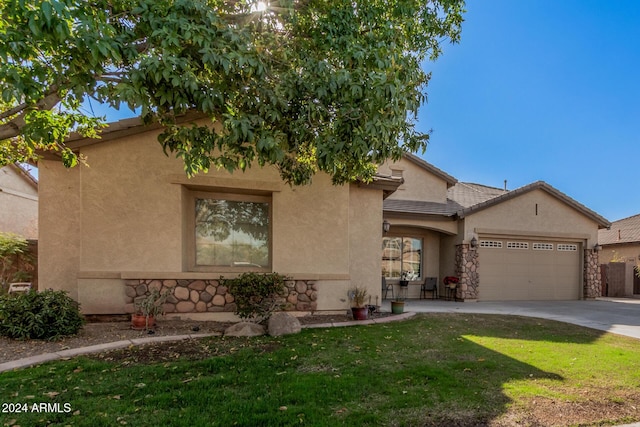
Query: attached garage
[(531, 243), (513, 268)]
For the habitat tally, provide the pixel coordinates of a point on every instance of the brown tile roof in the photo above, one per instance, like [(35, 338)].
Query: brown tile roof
[(468, 194), (625, 230), (421, 207), (459, 196)]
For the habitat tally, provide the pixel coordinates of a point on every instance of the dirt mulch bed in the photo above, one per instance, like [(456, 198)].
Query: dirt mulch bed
[(104, 332)]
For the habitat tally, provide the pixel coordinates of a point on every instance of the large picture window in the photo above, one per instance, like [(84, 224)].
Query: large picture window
[(402, 258), (232, 231)]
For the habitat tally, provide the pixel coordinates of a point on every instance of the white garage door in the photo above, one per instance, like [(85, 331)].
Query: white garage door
[(523, 269)]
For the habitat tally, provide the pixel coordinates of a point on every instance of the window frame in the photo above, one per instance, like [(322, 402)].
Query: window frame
[(401, 250), (190, 240)]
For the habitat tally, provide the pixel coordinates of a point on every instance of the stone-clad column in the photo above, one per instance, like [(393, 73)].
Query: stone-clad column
[(592, 282), (467, 271)]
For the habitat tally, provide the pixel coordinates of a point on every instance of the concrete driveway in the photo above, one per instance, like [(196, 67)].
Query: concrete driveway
[(616, 315)]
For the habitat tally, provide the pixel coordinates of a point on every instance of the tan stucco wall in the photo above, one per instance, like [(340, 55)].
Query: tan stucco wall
[(59, 227), (18, 204), (518, 216), (365, 237), (311, 228), (419, 184), (124, 215), (621, 252), (442, 224)]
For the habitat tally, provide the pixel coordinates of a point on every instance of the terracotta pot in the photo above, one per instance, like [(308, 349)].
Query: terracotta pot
[(360, 313), (139, 322)]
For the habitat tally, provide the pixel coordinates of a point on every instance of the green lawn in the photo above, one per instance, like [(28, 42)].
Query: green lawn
[(439, 369)]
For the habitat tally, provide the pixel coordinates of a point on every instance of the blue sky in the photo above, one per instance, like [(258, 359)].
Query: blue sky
[(542, 90)]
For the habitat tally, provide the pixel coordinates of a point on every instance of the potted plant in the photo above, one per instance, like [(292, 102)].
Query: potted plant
[(147, 308), (358, 308), (404, 279), (397, 306)]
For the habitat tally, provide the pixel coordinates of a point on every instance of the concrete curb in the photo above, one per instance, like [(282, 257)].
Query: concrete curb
[(73, 352), (386, 319)]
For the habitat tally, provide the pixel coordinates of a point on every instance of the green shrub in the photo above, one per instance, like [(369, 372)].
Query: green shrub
[(256, 295), (39, 315)]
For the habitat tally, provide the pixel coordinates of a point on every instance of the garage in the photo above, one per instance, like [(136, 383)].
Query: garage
[(513, 268)]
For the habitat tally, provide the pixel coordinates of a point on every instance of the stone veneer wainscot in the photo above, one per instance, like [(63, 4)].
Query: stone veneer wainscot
[(201, 296)]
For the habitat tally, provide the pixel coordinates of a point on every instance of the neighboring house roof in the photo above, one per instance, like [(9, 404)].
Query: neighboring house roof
[(429, 167), (625, 230), (26, 177), (25, 174), (538, 185)]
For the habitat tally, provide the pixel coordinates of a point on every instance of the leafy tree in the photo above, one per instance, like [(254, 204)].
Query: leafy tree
[(305, 85)]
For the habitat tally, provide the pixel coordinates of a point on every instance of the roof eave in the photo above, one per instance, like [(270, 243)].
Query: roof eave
[(388, 184)]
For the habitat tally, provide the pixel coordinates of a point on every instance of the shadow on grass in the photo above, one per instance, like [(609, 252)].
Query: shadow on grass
[(427, 371)]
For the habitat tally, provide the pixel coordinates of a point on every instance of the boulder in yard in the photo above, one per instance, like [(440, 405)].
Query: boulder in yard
[(282, 323)]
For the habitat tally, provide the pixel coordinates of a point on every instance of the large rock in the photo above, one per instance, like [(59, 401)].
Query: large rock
[(282, 323), (244, 329)]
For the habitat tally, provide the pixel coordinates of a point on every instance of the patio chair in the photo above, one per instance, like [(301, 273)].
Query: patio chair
[(386, 287), (18, 287), (430, 284)]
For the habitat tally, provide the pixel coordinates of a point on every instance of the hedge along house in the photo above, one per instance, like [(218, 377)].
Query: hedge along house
[(132, 220), (533, 243)]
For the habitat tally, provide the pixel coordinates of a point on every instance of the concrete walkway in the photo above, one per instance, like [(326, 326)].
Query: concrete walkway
[(617, 315)]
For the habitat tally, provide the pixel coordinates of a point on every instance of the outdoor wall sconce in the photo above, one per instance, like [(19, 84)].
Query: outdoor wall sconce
[(474, 242), (597, 247), (386, 226)]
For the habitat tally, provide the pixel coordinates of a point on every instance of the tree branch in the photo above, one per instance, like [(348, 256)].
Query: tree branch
[(11, 129)]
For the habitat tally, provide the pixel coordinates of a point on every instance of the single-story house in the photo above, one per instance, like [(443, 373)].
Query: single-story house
[(621, 241), (18, 202), (132, 221)]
